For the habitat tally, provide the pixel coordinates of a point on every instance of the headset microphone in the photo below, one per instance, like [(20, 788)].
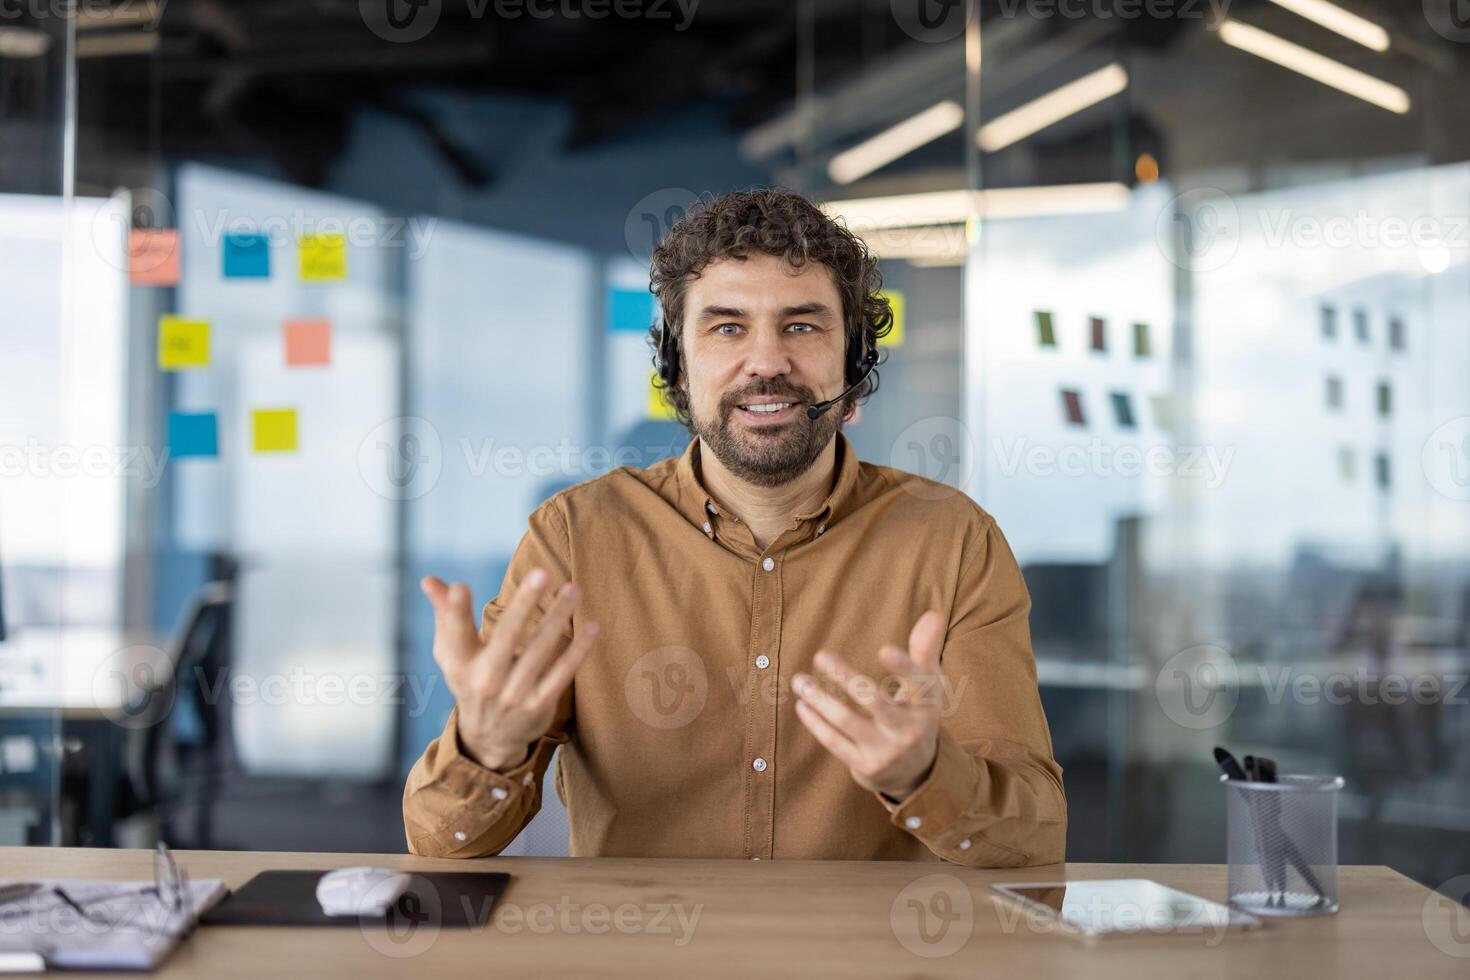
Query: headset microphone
[(816, 411)]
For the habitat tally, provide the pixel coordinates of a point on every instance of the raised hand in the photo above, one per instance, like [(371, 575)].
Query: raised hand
[(506, 685), (888, 739)]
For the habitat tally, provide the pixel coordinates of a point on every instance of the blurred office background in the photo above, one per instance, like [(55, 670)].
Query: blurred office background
[(1185, 303)]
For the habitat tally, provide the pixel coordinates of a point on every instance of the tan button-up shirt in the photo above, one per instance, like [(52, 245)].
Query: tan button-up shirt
[(679, 736)]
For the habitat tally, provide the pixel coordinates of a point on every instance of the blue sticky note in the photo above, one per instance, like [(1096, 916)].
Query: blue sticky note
[(629, 309), (247, 257), (193, 434)]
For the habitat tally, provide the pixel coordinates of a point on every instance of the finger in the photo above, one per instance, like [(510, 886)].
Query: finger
[(853, 725), (532, 662), (505, 637), (454, 628), (830, 738), (561, 672), (925, 641), (898, 685), (859, 686)]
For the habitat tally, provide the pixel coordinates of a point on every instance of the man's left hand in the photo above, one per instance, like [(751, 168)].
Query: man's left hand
[(889, 735)]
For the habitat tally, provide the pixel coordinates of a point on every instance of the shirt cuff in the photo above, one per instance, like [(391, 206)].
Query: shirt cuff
[(934, 812), (479, 799)]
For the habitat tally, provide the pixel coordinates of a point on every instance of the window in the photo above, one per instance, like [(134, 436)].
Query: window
[(1347, 464), (1046, 335), (1072, 406), (1385, 399), (1123, 409), (1382, 468), (1163, 411), (1334, 391), (1360, 324), (1396, 334), (1099, 334), (1140, 340), (1329, 322)]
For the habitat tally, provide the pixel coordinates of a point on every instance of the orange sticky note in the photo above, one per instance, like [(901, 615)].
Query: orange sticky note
[(308, 342), (153, 256), (273, 430)]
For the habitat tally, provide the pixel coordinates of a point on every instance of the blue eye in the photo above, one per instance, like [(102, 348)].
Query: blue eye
[(804, 327), (731, 326)]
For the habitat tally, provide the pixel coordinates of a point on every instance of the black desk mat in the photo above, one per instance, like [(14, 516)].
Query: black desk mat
[(448, 899)]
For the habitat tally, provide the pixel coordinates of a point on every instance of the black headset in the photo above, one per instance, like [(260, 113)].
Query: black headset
[(857, 370)]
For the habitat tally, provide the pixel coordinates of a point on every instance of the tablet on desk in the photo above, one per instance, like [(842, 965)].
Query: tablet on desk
[(1123, 906)]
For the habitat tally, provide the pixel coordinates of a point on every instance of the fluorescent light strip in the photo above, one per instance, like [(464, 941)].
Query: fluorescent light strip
[(1052, 108), (1334, 18), (1315, 66), (955, 207), (881, 150)]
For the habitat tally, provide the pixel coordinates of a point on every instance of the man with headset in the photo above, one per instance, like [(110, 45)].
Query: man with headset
[(765, 648)]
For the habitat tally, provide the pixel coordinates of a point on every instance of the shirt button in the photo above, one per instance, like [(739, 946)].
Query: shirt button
[(459, 835), (913, 823), (528, 777), (706, 527), (499, 793), (768, 564), (821, 529), (759, 765), (762, 662), (711, 509), (965, 844)]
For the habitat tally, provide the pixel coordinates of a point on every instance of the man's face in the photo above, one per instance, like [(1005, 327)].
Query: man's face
[(762, 340)]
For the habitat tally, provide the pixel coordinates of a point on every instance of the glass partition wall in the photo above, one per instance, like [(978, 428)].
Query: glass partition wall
[(1211, 376)]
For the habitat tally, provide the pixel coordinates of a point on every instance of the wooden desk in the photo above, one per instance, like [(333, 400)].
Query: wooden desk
[(774, 919)]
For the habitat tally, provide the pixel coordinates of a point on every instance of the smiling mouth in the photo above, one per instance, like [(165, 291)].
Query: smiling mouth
[(774, 411)]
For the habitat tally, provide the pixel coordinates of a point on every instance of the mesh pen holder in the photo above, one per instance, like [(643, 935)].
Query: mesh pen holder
[(1282, 846)]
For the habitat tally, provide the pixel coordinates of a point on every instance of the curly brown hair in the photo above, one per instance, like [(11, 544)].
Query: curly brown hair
[(780, 223)]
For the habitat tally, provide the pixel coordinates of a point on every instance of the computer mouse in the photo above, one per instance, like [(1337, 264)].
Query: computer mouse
[(360, 891)]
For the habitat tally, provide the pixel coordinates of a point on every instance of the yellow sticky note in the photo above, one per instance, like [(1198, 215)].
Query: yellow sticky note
[(895, 303), (273, 430), (323, 257), (182, 344), (657, 409)]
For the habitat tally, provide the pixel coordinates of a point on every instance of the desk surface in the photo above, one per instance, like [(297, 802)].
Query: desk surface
[(649, 917)]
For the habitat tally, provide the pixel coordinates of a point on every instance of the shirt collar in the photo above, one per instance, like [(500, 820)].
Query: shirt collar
[(695, 503)]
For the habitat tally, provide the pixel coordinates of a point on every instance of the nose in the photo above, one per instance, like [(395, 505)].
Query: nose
[(767, 356)]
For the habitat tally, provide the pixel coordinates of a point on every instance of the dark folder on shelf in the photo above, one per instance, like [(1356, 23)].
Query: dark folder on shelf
[(448, 899)]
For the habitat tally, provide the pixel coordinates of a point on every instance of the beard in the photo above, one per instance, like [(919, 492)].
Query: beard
[(771, 455)]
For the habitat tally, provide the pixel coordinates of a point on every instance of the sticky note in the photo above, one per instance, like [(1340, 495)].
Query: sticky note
[(630, 309), (153, 257), (896, 304), (193, 434), (308, 342), (247, 257), (656, 408), (182, 344), (323, 257), (273, 430)]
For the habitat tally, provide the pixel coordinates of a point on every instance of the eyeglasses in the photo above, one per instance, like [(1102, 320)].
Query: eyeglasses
[(169, 888)]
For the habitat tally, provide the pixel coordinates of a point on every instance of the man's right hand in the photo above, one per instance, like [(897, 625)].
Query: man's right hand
[(507, 686)]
